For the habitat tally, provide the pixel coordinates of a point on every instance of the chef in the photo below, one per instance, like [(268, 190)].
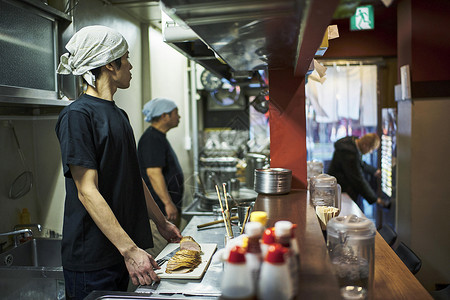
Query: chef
[(159, 164), (107, 206)]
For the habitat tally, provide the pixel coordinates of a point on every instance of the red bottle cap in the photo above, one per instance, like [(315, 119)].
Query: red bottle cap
[(268, 236), (294, 226), (275, 254), (237, 255)]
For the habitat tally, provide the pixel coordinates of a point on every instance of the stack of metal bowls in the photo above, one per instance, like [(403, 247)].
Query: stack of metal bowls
[(273, 181)]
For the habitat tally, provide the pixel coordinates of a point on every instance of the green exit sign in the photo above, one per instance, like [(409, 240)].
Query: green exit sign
[(363, 18)]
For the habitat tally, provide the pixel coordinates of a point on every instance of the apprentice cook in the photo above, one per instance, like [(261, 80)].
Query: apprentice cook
[(107, 206)]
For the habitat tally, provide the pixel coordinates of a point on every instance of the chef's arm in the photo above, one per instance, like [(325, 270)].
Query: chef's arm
[(156, 177), (139, 263), (167, 229)]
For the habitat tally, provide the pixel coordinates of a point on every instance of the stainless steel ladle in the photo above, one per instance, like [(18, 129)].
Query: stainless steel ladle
[(24, 182)]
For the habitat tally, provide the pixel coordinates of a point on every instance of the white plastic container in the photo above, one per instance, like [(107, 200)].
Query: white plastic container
[(274, 280), (284, 236), (253, 256), (236, 280)]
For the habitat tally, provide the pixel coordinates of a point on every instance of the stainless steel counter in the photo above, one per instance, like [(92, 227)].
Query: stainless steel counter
[(193, 209), (209, 285)]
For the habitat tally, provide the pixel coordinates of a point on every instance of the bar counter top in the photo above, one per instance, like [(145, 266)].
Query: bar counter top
[(316, 280), (392, 279)]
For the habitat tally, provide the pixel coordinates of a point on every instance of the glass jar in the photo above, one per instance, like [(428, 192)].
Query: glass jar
[(325, 191), (351, 245)]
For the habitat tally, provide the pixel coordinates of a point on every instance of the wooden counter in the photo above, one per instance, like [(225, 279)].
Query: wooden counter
[(317, 280), (392, 279)]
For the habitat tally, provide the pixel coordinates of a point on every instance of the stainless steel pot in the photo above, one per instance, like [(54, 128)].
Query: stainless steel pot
[(254, 161), (208, 200)]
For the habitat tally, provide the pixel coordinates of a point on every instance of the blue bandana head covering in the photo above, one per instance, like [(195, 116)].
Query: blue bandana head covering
[(156, 107)]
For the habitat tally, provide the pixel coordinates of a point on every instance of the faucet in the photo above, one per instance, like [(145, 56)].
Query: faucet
[(17, 233), (38, 226)]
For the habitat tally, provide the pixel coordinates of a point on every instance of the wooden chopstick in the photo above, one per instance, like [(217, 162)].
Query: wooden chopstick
[(221, 207), (245, 219), (215, 222), (227, 213)]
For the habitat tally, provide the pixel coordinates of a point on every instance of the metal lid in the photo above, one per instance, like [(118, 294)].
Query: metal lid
[(219, 159), (352, 226), (323, 180), (274, 171), (255, 155)]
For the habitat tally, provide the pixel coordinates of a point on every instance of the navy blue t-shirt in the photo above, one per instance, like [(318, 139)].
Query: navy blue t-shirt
[(154, 150), (96, 134)]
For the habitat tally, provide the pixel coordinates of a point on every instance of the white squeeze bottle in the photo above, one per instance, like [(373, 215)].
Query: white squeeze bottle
[(253, 255), (274, 280), (283, 236), (236, 281)]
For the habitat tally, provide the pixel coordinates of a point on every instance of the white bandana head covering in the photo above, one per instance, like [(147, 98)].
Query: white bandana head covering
[(92, 47), (157, 107)]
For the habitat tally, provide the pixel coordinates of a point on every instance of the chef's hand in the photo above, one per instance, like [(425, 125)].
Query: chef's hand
[(170, 232), (171, 211), (141, 266)]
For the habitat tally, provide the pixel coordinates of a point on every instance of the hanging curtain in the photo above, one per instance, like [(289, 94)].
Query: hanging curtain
[(369, 96), (349, 92)]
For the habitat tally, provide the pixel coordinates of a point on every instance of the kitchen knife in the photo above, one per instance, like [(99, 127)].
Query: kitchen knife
[(167, 256)]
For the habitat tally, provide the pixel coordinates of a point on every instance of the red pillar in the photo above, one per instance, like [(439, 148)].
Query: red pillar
[(288, 124)]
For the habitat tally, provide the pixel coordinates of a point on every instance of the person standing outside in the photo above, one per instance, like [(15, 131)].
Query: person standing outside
[(349, 168), (158, 162), (107, 205)]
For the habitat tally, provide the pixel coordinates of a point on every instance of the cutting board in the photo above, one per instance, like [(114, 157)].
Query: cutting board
[(207, 252)]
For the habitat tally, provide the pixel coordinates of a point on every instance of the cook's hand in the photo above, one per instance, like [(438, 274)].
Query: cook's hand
[(141, 266), (171, 211), (170, 232)]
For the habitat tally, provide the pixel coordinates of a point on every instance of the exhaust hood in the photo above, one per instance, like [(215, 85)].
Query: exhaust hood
[(235, 38), (246, 35)]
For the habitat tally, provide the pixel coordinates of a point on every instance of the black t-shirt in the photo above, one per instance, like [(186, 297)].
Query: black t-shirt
[(154, 150), (96, 134)]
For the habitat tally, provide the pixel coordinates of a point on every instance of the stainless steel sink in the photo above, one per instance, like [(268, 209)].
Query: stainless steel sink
[(34, 253), (32, 270)]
